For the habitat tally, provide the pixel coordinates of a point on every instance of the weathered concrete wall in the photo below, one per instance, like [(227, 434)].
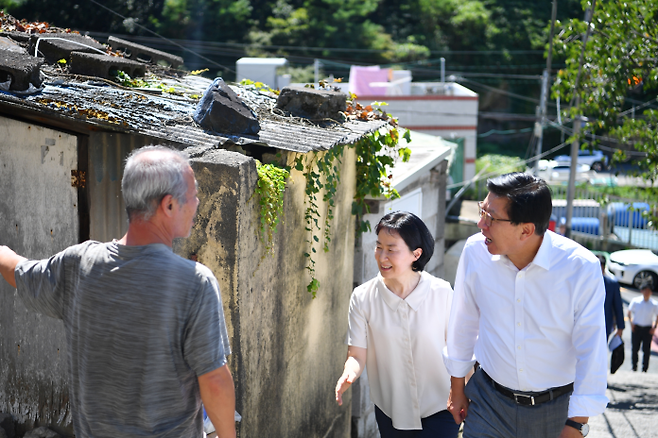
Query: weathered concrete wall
[(39, 216), (288, 348)]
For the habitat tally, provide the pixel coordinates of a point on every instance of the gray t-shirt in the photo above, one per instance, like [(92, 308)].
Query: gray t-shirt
[(142, 324)]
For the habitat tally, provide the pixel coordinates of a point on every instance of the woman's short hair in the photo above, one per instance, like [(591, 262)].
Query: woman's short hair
[(146, 180), (413, 231), (529, 199)]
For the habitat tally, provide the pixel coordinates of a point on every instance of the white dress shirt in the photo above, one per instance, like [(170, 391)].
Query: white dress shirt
[(404, 338), (532, 329), (644, 312)]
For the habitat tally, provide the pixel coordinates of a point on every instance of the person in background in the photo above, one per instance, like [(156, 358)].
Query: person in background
[(643, 317), (528, 306), (614, 307), (397, 329), (146, 334)]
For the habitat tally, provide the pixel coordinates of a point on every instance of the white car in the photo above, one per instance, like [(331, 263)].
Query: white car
[(554, 171), (633, 266), (596, 160)]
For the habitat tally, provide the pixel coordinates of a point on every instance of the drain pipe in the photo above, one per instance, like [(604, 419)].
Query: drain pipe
[(443, 71)]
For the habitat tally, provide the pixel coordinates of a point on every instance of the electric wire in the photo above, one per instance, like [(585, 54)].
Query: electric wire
[(162, 37)]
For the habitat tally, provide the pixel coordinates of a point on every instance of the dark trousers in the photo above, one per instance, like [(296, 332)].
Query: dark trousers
[(439, 425), (493, 415), (641, 336)]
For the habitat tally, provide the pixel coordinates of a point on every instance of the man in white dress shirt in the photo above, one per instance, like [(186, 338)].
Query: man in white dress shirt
[(528, 306), (643, 316)]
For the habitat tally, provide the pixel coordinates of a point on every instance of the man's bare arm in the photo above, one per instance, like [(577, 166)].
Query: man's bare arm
[(8, 261), (218, 395)]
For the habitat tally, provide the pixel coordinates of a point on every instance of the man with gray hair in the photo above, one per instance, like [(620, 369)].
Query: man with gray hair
[(145, 328)]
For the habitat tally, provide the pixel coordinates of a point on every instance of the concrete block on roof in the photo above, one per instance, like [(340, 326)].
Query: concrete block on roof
[(311, 103), (21, 37), (11, 45), (19, 67), (220, 110), (104, 66), (56, 46), (138, 52)]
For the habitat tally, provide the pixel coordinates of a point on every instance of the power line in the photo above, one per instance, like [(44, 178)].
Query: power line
[(160, 36)]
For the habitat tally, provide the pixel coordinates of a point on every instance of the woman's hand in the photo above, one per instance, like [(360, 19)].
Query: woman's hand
[(356, 361), (344, 382)]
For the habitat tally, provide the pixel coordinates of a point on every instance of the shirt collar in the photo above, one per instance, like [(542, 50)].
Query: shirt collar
[(544, 255), (414, 299), (542, 258)]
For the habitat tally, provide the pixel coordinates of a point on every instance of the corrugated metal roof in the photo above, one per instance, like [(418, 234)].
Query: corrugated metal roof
[(169, 117)]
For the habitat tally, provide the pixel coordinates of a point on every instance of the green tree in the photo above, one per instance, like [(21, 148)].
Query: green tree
[(325, 24), (86, 15), (207, 20), (619, 70)]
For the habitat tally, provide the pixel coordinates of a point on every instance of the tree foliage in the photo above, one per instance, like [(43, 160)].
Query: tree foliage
[(619, 72), (389, 30)]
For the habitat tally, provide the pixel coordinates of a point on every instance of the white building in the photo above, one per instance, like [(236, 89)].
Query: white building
[(445, 109)]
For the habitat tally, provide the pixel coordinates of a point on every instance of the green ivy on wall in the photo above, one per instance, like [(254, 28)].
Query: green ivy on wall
[(377, 153), (270, 189)]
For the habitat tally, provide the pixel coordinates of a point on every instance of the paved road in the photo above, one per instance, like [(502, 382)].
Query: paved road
[(633, 396)]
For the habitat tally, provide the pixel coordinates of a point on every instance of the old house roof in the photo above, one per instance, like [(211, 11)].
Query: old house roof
[(82, 102)]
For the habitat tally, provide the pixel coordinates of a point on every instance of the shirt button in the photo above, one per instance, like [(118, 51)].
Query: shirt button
[(519, 324), (519, 347), (521, 369), (518, 300)]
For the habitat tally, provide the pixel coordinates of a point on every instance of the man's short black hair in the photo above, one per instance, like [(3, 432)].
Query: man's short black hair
[(413, 231), (529, 199)]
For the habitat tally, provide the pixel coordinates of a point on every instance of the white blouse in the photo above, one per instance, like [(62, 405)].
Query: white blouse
[(404, 339)]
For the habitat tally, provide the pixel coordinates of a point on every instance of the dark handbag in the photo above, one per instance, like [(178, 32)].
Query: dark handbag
[(617, 358)]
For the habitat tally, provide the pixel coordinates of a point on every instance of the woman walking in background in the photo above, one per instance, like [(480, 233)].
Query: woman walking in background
[(397, 328)]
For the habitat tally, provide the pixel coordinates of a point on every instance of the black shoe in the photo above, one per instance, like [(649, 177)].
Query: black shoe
[(634, 368), (644, 371)]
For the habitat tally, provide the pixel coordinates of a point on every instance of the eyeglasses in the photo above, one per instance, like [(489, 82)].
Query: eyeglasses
[(488, 219)]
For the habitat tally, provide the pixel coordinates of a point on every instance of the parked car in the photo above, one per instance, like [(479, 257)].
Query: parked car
[(553, 171), (595, 159), (633, 266)]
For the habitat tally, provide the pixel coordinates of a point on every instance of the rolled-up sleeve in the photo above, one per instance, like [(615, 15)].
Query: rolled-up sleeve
[(463, 327), (589, 340)]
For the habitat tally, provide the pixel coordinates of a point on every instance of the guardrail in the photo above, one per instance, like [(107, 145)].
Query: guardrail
[(607, 217)]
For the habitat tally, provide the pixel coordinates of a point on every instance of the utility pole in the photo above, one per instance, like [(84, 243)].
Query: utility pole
[(545, 80), (575, 146)]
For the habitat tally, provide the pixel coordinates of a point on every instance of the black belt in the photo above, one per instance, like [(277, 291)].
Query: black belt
[(529, 398)]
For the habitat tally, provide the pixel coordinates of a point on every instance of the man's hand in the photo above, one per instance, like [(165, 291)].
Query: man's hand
[(457, 400), (619, 332), (344, 382), (8, 261), (570, 432)]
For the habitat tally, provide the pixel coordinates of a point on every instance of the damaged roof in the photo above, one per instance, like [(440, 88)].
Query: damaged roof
[(161, 108)]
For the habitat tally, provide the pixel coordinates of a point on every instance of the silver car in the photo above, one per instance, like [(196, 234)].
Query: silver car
[(633, 266)]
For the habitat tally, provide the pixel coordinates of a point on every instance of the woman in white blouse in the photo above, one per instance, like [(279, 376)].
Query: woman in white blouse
[(397, 328)]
